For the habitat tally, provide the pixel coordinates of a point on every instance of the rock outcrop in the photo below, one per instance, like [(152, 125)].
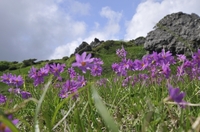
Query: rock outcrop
[(139, 41), (82, 48), (95, 43), (178, 32)]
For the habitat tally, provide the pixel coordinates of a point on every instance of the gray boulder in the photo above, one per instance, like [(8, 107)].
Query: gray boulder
[(178, 33)]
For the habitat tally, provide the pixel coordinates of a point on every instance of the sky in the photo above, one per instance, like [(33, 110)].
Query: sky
[(52, 29)]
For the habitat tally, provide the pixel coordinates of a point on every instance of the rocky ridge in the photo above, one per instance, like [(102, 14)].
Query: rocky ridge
[(177, 32)]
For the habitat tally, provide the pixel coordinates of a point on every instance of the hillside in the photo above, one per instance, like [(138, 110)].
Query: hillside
[(106, 51)]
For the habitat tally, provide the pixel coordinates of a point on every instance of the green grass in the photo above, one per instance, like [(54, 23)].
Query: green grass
[(137, 108)]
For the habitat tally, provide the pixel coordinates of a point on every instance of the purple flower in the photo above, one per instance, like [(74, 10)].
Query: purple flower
[(72, 73), (181, 58), (115, 66), (72, 86), (196, 57), (33, 72), (2, 99), (38, 75), (125, 64), (140, 64), (69, 87), (4, 128), (12, 79), (83, 62), (25, 95), (56, 69), (153, 58), (6, 78), (119, 69), (97, 61), (166, 70), (43, 71), (81, 81), (165, 57), (131, 65), (17, 81), (186, 69), (96, 70), (176, 95), (121, 53), (65, 91), (180, 70)]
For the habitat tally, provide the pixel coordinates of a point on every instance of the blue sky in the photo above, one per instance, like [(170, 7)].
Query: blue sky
[(51, 29)]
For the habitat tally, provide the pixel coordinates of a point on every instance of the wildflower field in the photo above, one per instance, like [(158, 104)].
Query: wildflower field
[(159, 92)]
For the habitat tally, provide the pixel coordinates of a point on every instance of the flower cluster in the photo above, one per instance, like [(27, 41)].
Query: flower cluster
[(38, 75), (190, 68), (85, 62), (158, 65), (72, 86), (56, 69), (14, 82), (121, 52)]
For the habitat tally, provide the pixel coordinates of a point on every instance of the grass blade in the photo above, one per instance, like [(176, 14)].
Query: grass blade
[(109, 121), (64, 117), (8, 123), (37, 110)]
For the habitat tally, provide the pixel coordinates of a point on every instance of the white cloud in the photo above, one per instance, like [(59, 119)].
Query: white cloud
[(33, 29), (113, 26), (65, 50), (149, 12), (77, 8), (106, 32), (111, 15)]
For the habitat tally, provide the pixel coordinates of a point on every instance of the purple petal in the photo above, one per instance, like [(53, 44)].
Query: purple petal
[(180, 97), (15, 121), (78, 58), (88, 56), (83, 56), (173, 92)]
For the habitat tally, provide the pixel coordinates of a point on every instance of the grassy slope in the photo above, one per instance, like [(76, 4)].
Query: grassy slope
[(106, 51)]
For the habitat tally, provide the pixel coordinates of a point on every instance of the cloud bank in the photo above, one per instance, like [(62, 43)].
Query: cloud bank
[(33, 29)]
